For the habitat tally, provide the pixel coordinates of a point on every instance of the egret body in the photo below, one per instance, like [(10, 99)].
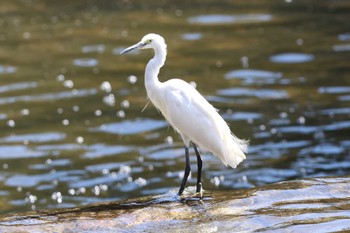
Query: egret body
[(189, 113)]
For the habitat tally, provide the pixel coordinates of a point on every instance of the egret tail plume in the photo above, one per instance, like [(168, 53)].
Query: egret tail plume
[(234, 151)]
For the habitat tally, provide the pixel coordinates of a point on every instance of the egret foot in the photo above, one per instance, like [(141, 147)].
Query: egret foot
[(199, 190), (199, 187)]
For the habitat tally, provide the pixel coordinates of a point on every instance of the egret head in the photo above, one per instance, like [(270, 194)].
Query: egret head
[(149, 41)]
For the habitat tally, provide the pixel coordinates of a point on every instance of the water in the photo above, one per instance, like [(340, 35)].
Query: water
[(72, 129)]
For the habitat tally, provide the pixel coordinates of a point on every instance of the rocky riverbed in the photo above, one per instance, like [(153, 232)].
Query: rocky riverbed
[(315, 204)]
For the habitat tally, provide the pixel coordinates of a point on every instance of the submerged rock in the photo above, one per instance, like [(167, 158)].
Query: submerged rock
[(308, 205)]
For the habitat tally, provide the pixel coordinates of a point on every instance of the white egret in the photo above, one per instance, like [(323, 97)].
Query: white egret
[(189, 113)]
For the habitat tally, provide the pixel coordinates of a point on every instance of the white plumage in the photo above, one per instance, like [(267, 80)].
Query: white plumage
[(188, 112)]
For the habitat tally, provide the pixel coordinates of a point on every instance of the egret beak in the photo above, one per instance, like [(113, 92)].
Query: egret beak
[(133, 47)]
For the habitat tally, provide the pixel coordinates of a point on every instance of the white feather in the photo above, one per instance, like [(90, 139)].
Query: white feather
[(197, 120), (189, 113)]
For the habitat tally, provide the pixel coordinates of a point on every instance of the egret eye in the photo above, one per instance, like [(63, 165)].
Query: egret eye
[(149, 41)]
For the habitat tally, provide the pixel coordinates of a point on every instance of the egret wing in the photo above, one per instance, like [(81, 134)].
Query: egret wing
[(197, 120), (191, 115)]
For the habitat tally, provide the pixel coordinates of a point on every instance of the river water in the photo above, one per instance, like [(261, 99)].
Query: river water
[(72, 129)]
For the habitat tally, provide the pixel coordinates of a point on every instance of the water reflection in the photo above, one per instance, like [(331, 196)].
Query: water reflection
[(7, 69), (341, 48), (49, 96), (224, 19), (326, 149), (36, 138), (192, 36), (127, 127), (100, 48), (102, 150), (250, 92), (334, 90), (3, 116), (85, 62), (292, 58), (19, 151), (248, 116), (344, 36), (72, 129), (254, 77), (18, 86)]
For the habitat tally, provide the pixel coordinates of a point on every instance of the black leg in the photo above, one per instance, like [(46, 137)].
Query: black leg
[(187, 172), (199, 172)]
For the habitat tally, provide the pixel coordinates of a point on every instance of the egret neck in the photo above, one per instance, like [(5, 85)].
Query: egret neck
[(152, 82)]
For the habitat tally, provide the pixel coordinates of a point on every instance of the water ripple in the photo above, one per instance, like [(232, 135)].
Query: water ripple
[(228, 19), (136, 126), (98, 180), (99, 48), (192, 36), (166, 154), (271, 175), (259, 93), (337, 126), (39, 137), (335, 111), (254, 76), (101, 167), (299, 129), (292, 58), (49, 96), (242, 116), (60, 147), (19, 180), (328, 165), (344, 98), (18, 86), (344, 36), (341, 48), (7, 69), (278, 146), (101, 150), (334, 90), (85, 62), (325, 149), (3, 116), (19, 151)]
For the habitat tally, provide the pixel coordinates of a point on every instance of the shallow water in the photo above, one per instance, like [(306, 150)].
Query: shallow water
[(72, 129)]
